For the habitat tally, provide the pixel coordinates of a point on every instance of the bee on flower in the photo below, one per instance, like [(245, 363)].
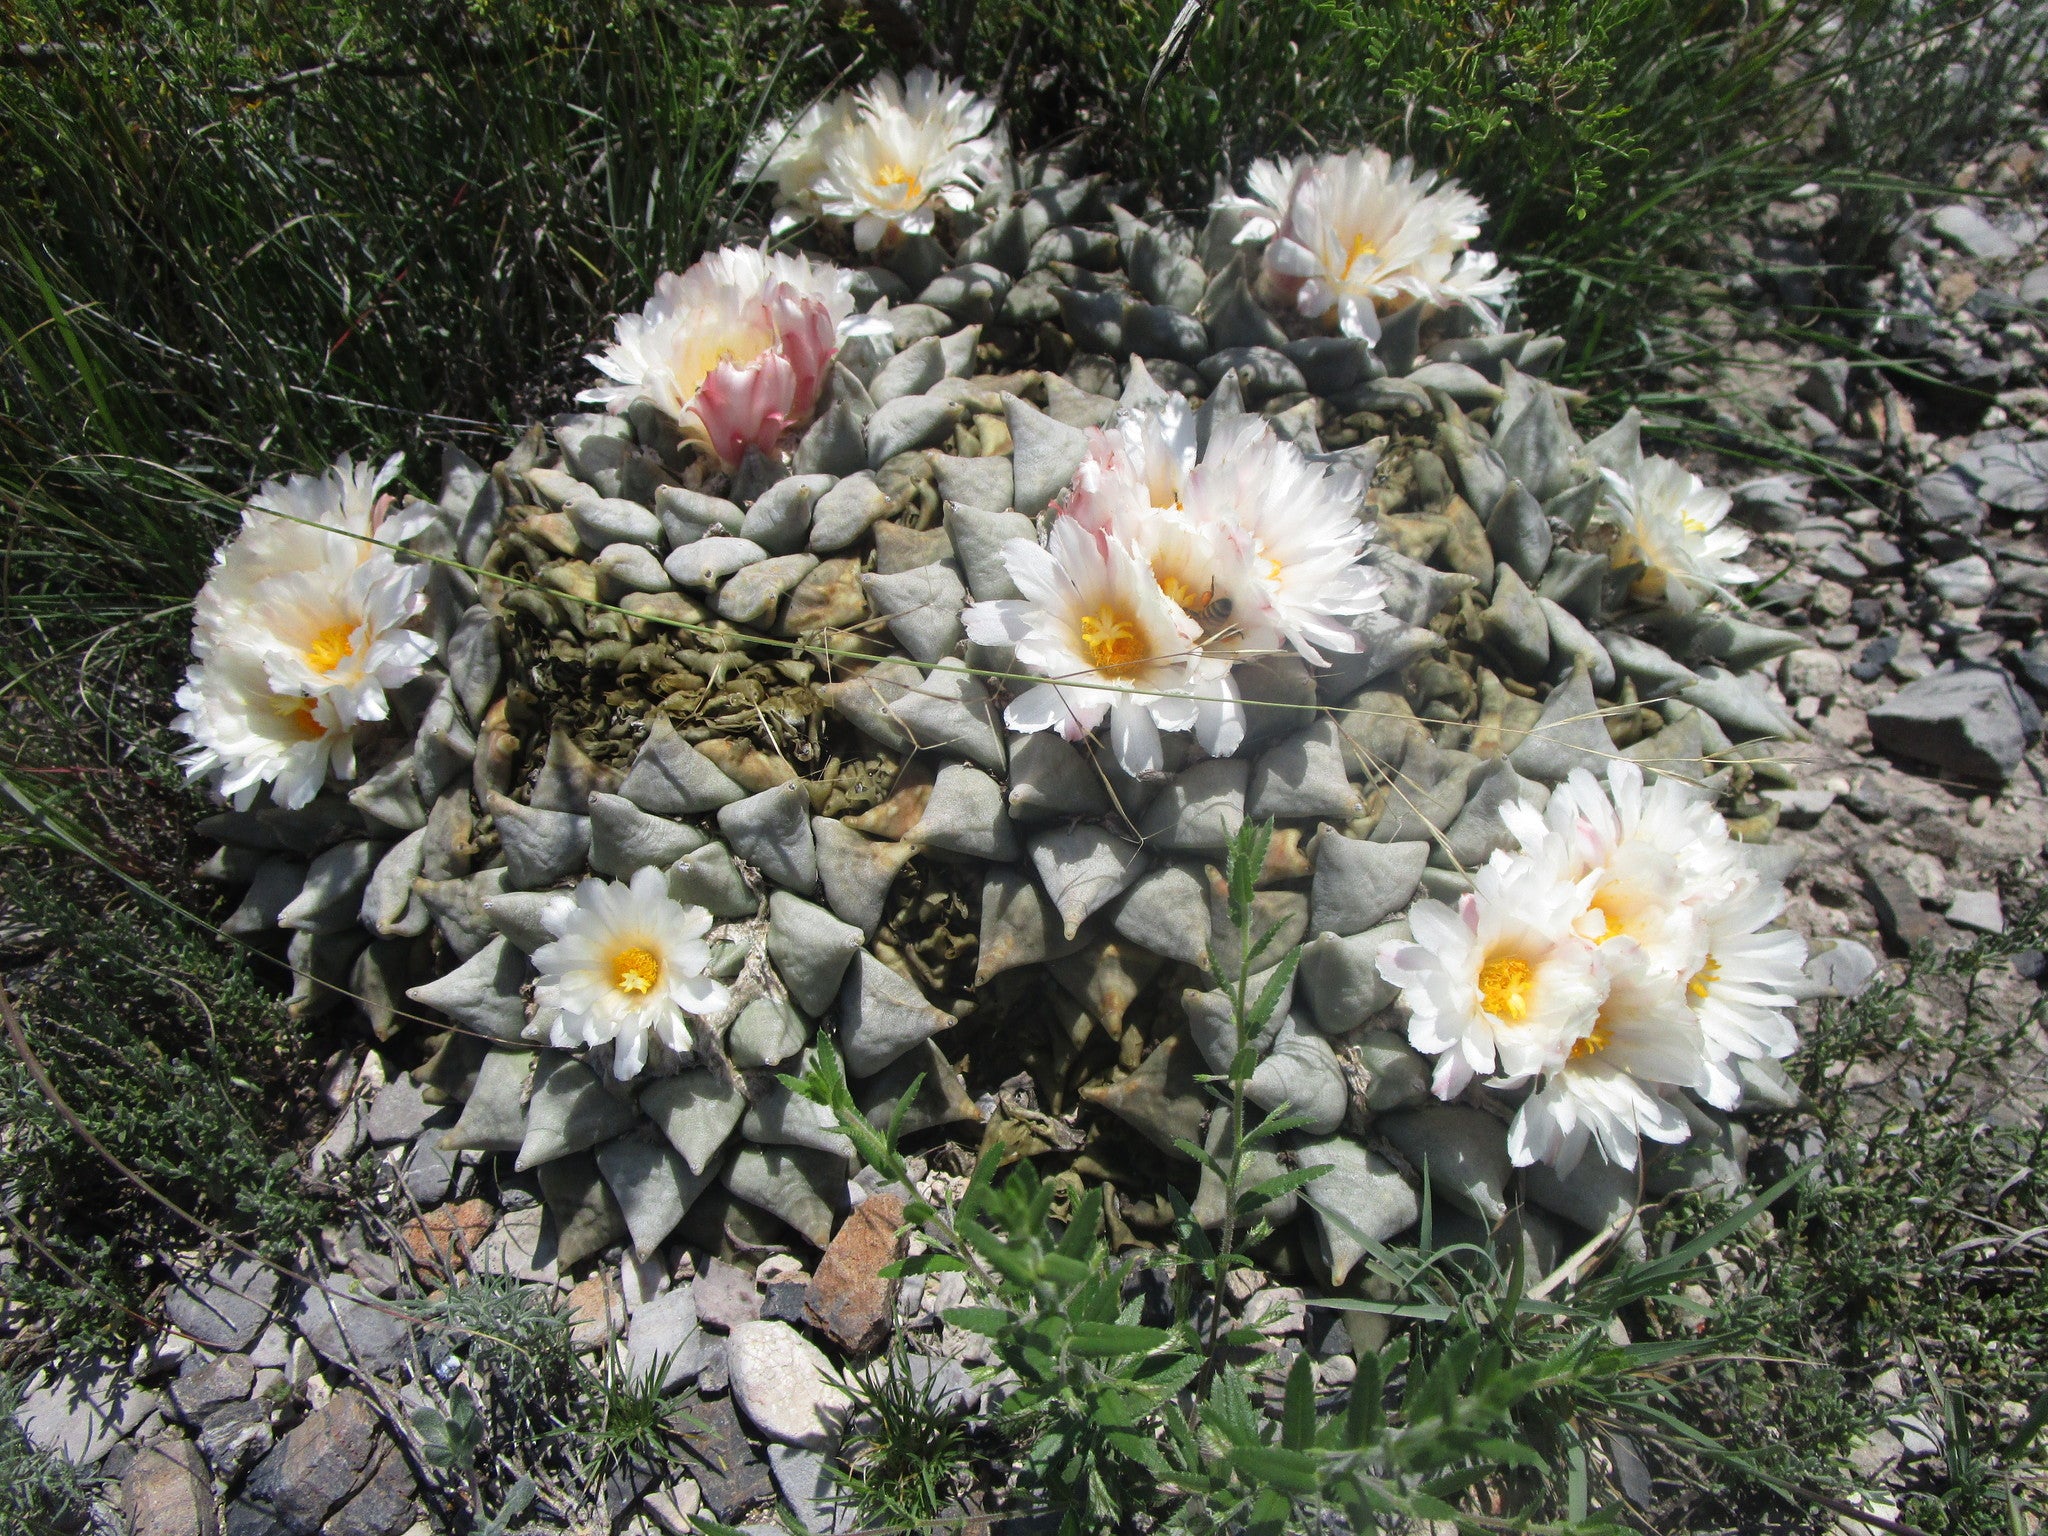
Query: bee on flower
[(1352, 237), (626, 966), (1242, 548), (300, 634), (735, 351), (1673, 526), (1639, 897), (884, 158)]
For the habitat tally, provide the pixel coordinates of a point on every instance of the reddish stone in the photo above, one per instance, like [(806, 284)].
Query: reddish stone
[(444, 1237), (849, 1300)]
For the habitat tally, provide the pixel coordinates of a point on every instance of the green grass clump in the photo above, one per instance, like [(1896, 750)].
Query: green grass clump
[(185, 1067)]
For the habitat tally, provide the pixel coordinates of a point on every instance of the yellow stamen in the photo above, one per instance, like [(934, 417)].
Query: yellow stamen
[(1703, 979), (331, 647), (1592, 1045), (894, 175), (1360, 248), (636, 970), (1112, 643), (298, 714), (1504, 987)]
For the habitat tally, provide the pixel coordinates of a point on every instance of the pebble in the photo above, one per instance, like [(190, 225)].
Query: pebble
[(848, 1300), (1965, 583), (781, 1382), (228, 1307), (726, 1296), (1979, 910)]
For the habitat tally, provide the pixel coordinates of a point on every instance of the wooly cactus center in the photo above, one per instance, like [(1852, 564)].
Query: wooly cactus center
[(891, 655)]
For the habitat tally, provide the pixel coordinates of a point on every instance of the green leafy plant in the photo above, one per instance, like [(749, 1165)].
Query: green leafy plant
[(904, 1445)]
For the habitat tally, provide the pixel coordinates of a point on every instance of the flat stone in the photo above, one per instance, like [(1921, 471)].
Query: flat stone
[(665, 1342), (168, 1491), (1844, 968), (399, 1113), (1971, 233), (1966, 583), (235, 1437), (1969, 718), (228, 1307), (1901, 918), (317, 1467), (350, 1326), (726, 1296), (76, 1412), (782, 1383), (1978, 910), (849, 1301), (730, 1473), (206, 1385)]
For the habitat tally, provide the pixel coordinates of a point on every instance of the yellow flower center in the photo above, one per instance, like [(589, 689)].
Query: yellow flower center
[(636, 970), (1360, 249), (893, 176), (1111, 643), (1703, 979), (331, 647), (1504, 987), (298, 714), (1592, 1044)]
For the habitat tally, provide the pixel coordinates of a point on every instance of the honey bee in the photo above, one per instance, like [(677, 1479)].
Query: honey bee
[(1214, 611)]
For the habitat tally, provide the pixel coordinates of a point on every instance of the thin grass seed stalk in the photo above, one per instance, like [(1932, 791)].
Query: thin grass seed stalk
[(899, 652)]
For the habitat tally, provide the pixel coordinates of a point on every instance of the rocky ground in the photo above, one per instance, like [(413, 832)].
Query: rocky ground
[(1914, 558)]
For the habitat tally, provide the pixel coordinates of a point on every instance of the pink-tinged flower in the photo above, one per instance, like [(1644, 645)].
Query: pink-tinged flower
[(1358, 235), (735, 350), (1109, 643)]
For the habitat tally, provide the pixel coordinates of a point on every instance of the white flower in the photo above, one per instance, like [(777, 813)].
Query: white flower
[(245, 734), (1656, 857), (299, 524), (1096, 626), (1294, 533), (299, 633), (1672, 524), (1357, 234), (1643, 1038), (1503, 980), (339, 635), (1743, 988), (1269, 186), (735, 350), (627, 961), (884, 157)]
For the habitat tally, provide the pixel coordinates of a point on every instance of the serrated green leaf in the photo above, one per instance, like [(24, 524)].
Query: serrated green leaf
[(1298, 1416), (1291, 1471)]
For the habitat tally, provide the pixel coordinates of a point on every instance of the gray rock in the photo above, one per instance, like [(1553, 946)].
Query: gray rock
[(428, 1173), (77, 1412), (783, 1384), (1966, 583), (399, 1113), (1971, 233), (168, 1491), (772, 832), (1967, 717), (1948, 499), (235, 1438), (348, 1326), (808, 1488), (665, 1342), (228, 1306), (1843, 968), (881, 1015), (1978, 910)]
